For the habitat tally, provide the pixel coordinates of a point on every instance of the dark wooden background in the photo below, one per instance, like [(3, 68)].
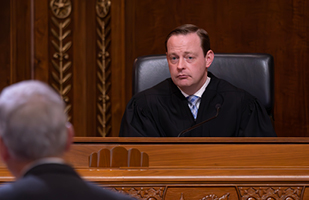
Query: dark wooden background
[(139, 27)]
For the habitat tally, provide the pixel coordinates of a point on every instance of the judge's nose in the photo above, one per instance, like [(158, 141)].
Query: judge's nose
[(181, 64)]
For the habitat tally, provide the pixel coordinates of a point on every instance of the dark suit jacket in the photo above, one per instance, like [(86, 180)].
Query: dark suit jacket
[(55, 182)]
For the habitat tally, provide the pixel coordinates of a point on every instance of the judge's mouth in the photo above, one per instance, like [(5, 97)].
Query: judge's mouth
[(182, 76)]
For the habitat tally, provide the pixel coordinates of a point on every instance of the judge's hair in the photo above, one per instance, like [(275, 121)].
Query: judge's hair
[(190, 28), (32, 121)]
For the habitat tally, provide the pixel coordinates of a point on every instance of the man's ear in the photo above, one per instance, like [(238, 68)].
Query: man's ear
[(70, 132), (4, 152), (209, 58)]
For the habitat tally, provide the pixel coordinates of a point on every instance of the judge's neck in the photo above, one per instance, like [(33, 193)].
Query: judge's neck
[(199, 92)]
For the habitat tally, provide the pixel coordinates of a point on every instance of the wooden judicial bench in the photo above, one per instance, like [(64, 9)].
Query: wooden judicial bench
[(194, 168)]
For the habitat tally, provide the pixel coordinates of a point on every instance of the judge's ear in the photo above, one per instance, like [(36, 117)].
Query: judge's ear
[(4, 152), (70, 132), (209, 58)]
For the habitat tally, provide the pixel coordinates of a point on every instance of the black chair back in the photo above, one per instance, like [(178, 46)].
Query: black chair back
[(251, 72)]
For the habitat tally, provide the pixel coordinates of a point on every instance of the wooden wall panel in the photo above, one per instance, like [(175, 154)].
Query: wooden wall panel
[(5, 44), (21, 38), (118, 63), (69, 47), (276, 27), (40, 37)]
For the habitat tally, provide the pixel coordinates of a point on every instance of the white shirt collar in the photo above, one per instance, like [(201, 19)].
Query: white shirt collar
[(200, 92)]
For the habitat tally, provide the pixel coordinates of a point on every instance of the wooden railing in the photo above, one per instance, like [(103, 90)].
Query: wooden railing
[(195, 168)]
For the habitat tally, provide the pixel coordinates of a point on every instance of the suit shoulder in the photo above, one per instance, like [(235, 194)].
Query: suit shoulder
[(7, 192)]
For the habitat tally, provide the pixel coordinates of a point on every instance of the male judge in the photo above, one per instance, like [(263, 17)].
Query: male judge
[(193, 95), (34, 134)]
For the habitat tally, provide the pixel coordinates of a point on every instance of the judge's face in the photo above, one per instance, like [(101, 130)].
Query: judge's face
[(187, 63)]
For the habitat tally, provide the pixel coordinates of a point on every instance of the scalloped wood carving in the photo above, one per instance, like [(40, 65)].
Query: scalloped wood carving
[(119, 157)]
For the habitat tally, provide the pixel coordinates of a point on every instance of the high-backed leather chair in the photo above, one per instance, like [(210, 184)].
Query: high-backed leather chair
[(251, 72)]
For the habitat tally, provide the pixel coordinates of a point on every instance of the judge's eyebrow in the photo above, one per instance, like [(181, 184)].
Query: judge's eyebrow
[(190, 52), (185, 53), (172, 54)]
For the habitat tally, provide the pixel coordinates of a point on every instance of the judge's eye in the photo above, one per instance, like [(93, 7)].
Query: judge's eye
[(173, 59), (189, 58)]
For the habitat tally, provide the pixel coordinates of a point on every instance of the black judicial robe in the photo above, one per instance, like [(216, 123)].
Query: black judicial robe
[(163, 111)]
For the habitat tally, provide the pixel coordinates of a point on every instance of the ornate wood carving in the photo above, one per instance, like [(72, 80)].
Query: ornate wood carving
[(103, 7), (104, 71), (270, 193), (61, 62), (61, 8), (149, 193), (215, 197), (119, 157), (209, 197)]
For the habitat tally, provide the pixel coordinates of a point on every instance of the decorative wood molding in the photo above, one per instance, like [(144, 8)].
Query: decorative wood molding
[(151, 193), (119, 157), (61, 60), (270, 193), (210, 197), (61, 8), (104, 71), (215, 197), (103, 7)]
